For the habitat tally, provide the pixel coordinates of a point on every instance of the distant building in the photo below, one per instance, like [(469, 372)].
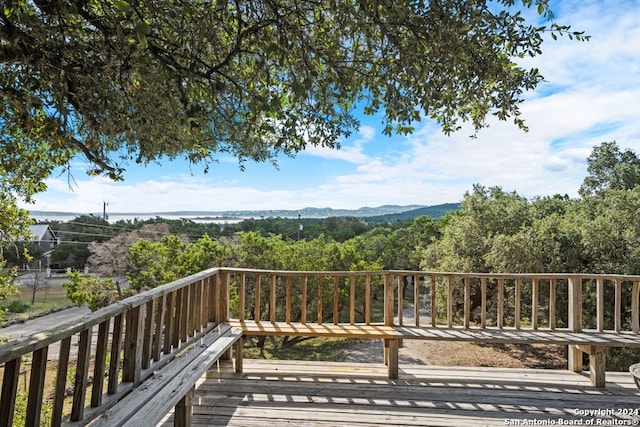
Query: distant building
[(44, 237), (46, 240)]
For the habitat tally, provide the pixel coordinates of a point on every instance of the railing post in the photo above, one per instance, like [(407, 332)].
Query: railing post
[(600, 305), (617, 315), (500, 308), (60, 383), (483, 304), (434, 309), (416, 299), (635, 297), (388, 299), (518, 303), (204, 298), (287, 303), (552, 303), (450, 289), (223, 298), (466, 282), (574, 354), (272, 297), (241, 295), (303, 300), (336, 299), (400, 281), (575, 304), (352, 300), (36, 386), (214, 292), (114, 362), (367, 297), (100, 363), (82, 375), (9, 391), (534, 303), (133, 338)]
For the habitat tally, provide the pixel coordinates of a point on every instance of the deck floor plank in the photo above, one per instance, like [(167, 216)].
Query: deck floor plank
[(287, 393)]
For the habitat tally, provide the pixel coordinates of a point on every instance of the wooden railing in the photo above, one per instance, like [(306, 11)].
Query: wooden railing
[(438, 300), (141, 334), (135, 337)]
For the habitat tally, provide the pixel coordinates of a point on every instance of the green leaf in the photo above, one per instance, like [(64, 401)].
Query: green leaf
[(143, 28), (122, 6)]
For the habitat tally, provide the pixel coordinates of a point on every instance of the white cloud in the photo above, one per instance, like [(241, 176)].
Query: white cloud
[(351, 152)]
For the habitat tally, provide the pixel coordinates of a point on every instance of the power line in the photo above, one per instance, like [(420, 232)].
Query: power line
[(113, 227), (84, 234)]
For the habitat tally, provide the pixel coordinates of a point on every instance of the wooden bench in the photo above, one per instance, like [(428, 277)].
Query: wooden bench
[(592, 343), (173, 385), (249, 327)]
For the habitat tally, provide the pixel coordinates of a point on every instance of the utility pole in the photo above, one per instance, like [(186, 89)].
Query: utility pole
[(299, 226), (104, 211)]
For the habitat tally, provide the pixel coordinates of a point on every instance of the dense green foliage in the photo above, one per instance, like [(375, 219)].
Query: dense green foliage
[(7, 286), (92, 291), (496, 231)]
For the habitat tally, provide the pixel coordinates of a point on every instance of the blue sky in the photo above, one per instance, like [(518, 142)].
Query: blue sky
[(591, 94)]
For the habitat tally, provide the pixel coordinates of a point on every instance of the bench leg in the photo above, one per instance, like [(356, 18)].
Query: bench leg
[(226, 355), (184, 410), (597, 365), (391, 353), (238, 348), (385, 344), (574, 356)]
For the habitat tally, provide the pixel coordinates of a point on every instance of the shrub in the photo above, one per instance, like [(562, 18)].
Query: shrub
[(17, 307)]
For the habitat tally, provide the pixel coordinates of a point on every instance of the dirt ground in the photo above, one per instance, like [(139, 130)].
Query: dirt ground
[(447, 353)]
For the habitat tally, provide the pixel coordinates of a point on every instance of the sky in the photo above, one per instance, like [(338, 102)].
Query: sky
[(591, 94)]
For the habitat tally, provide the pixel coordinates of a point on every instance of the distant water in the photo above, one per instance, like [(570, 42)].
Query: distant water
[(113, 218)]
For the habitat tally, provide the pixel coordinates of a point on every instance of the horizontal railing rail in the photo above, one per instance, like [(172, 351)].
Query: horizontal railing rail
[(89, 373), (553, 301), (573, 302)]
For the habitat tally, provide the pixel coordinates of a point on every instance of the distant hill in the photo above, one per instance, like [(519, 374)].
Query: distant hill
[(435, 212), (214, 216)]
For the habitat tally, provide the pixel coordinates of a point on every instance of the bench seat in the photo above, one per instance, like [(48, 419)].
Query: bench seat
[(172, 385), (591, 342), (331, 330), (520, 336)]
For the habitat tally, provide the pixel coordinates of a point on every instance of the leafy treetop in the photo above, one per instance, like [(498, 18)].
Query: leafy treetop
[(121, 81), (610, 168)]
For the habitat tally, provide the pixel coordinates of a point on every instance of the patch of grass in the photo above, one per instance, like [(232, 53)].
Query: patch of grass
[(46, 299), (315, 349)]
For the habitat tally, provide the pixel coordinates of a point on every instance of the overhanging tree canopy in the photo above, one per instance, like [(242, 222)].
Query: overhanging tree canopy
[(120, 81)]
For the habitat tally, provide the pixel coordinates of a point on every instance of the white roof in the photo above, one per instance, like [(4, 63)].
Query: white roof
[(39, 230)]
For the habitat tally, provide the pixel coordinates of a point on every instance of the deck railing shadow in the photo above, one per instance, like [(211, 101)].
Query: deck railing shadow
[(501, 395)]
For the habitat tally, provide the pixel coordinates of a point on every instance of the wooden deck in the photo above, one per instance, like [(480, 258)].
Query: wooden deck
[(288, 393)]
